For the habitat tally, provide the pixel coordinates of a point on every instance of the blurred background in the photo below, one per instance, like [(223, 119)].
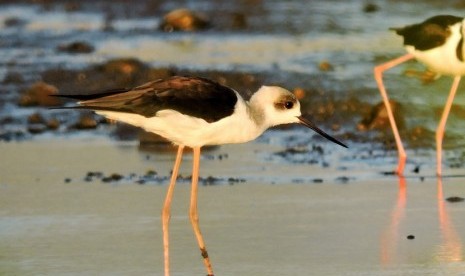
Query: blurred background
[(324, 51)]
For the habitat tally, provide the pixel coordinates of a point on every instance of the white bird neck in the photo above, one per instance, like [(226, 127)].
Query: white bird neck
[(256, 113)]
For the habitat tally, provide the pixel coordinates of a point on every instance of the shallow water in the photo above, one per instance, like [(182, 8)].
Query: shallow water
[(53, 227), (288, 40)]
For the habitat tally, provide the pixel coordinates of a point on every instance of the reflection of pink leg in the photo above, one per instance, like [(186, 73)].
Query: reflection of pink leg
[(442, 124), (451, 247), (379, 80), (166, 213), (390, 237), (193, 214)]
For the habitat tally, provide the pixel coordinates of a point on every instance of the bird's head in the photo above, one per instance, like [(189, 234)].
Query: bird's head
[(276, 106)]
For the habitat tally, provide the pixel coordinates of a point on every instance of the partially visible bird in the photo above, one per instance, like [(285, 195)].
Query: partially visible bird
[(194, 112), (438, 43)]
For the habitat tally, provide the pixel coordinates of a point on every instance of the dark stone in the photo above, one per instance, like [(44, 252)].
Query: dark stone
[(370, 7), (378, 117), (78, 47), (86, 121), (36, 128), (455, 199), (36, 118)]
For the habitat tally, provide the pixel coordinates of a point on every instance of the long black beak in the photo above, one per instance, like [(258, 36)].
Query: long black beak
[(311, 125)]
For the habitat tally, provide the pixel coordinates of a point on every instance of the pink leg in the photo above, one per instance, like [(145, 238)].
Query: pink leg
[(442, 124), (193, 214), (166, 213), (379, 80)]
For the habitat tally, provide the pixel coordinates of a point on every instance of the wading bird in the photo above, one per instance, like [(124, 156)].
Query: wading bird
[(438, 43), (194, 112)]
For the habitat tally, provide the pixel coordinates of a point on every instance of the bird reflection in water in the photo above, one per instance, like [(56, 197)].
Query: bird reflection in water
[(449, 248), (390, 237)]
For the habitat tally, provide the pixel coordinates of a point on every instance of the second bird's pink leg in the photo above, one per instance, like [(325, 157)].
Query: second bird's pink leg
[(378, 71), (166, 213), (442, 124), (193, 213)]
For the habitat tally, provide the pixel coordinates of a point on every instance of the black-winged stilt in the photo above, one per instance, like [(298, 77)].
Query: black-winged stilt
[(194, 112), (438, 43)]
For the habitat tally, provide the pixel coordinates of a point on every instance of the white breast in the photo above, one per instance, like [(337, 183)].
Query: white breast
[(443, 59), (193, 132)]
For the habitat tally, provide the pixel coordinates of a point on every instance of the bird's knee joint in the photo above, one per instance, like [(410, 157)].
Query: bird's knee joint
[(204, 253)]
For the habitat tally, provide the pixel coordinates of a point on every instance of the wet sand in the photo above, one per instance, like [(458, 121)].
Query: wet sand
[(49, 226)]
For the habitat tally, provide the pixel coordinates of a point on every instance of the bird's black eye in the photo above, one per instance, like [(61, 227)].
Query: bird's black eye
[(288, 105)]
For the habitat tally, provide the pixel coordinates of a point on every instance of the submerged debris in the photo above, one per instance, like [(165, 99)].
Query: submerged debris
[(39, 95), (112, 177), (152, 176), (378, 117), (370, 7), (86, 121), (455, 199), (77, 47), (184, 20)]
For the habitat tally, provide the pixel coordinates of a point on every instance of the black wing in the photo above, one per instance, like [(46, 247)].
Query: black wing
[(429, 34), (193, 96)]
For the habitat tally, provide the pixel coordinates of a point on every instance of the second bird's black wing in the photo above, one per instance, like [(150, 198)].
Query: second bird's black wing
[(193, 96), (429, 34)]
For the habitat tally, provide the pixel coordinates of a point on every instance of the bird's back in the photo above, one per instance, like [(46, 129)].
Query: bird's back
[(429, 34), (438, 43), (192, 96)]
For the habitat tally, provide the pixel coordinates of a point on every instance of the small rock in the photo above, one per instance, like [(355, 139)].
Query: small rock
[(183, 20), (53, 124), (325, 66), (116, 176), (150, 174), (86, 121), (78, 47), (36, 118), (7, 120), (14, 22), (125, 66), (455, 199), (39, 95), (94, 174), (112, 177), (370, 7), (378, 117), (343, 179), (36, 128), (209, 180)]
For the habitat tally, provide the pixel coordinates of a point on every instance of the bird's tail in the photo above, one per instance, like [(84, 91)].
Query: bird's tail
[(92, 96)]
